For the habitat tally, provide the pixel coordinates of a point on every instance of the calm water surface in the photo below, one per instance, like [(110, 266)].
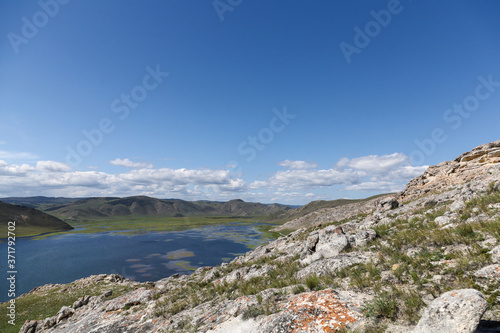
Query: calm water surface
[(143, 257)]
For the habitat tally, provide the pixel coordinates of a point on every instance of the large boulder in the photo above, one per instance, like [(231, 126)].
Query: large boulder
[(64, 313), (388, 203), (325, 243), (457, 311)]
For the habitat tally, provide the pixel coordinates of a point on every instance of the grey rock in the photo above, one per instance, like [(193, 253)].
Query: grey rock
[(49, 322), (457, 205), (29, 326), (388, 203), (495, 254), (443, 220), (412, 252), (64, 313), (361, 237), (84, 300), (496, 186), (388, 277), (478, 218), (311, 242), (489, 272), (138, 296), (331, 241), (245, 273), (236, 325), (454, 311), (430, 203), (331, 265), (495, 206)]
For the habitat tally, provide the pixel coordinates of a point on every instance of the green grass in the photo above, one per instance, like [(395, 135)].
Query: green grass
[(38, 306), (180, 298), (384, 305), (27, 231), (312, 281), (139, 224)]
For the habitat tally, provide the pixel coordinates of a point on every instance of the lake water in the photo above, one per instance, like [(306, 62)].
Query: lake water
[(143, 257)]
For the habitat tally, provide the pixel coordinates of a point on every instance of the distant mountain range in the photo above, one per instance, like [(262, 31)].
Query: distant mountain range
[(39, 202), (48, 212), (102, 207)]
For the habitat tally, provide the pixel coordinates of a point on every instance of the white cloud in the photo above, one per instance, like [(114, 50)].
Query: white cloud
[(386, 173), (51, 166), (305, 179), (408, 172), (374, 163), (129, 164), (301, 180), (17, 155), (13, 169), (297, 165), (380, 186), (25, 180)]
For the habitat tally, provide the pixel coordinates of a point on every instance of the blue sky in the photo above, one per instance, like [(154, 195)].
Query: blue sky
[(270, 101)]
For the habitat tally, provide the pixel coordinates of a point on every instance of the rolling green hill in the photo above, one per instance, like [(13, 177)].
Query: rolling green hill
[(103, 207), (30, 221)]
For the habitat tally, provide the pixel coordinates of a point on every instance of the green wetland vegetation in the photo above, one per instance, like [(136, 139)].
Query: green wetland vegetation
[(141, 224)]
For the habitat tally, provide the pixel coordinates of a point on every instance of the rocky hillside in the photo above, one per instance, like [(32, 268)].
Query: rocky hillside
[(28, 218), (475, 165), (425, 260), (328, 212), (342, 211), (91, 208)]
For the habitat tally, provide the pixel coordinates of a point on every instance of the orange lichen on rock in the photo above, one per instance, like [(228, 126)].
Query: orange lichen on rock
[(319, 311)]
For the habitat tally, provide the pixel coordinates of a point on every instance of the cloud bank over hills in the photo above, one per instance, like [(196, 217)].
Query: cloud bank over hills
[(297, 182)]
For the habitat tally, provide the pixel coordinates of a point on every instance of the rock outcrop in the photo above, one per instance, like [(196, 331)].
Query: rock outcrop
[(454, 311), (482, 164)]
